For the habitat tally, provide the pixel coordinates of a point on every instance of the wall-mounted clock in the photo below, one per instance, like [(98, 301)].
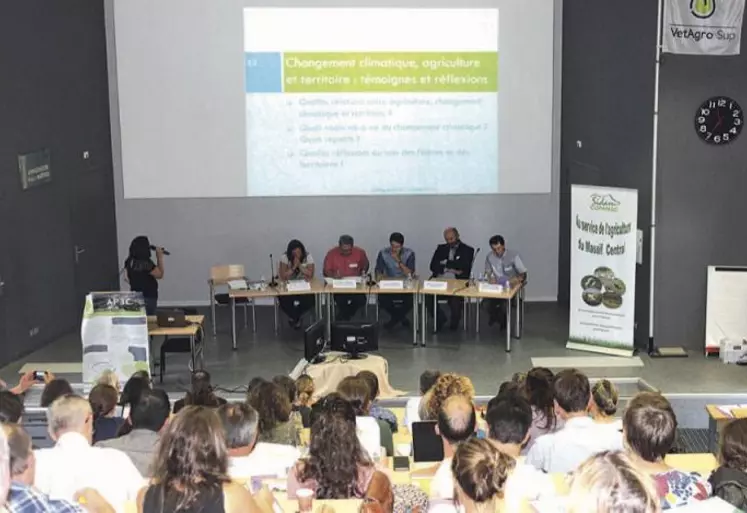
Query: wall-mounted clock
[(719, 120)]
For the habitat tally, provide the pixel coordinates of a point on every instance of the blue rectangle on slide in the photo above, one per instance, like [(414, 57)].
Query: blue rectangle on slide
[(264, 73)]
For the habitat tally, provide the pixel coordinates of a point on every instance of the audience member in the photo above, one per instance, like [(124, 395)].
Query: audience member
[(604, 404), (147, 417), (253, 384), (73, 464), (106, 425), (289, 385), (27, 380), (374, 433), (304, 398), (538, 388), (190, 469), (130, 395), (729, 481), (457, 422), (53, 389), (509, 419), (609, 482), (580, 438), (446, 385), (247, 457), (377, 411), (201, 393), (109, 377), (649, 427), (274, 409), (11, 407), (412, 410)]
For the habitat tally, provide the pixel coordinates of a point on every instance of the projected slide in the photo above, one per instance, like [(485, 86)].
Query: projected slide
[(371, 101)]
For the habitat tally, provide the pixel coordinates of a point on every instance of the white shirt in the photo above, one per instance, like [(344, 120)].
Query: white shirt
[(526, 483), (412, 411), (442, 485), (567, 448), (72, 464), (264, 460), (369, 435)]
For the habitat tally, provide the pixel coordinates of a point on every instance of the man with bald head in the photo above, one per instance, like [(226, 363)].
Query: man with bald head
[(457, 422), (451, 260)]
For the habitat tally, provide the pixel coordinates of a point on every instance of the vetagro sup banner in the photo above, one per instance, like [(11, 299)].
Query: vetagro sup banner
[(603, 260), (703, 27)]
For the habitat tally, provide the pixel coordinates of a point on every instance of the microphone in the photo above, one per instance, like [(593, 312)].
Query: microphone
[(165, 252), (273, 282), (370, 282)]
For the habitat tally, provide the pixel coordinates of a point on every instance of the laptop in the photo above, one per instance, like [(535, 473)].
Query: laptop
[(171, 319), (426, 443)]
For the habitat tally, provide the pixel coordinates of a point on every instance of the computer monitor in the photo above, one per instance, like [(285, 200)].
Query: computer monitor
[(355, 338), (313, 342)]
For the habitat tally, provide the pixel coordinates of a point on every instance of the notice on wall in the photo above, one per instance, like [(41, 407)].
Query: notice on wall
[(703, 27), (603, 261), (114, 333), (35, 169)]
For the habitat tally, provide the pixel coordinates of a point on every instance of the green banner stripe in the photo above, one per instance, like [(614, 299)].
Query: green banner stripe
[(390, 72)]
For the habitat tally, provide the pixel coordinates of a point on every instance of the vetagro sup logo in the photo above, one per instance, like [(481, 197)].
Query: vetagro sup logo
[(702, 9), (604, 202)]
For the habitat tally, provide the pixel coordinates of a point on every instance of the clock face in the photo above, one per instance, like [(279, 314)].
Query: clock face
[(719, 120)]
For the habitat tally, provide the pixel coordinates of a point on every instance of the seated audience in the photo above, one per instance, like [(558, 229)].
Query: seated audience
[(412, 410), (53, 389), (446, 385), (304, 398), (246, 456), (109, 377), (538, 388), (457, 423), (604, 405), (201, 393), (609, 482), (274, 409), (289, 385), (190, 469), (106, 425), (337, 466), (509, 419), (649, 427), (253, 384), (147, 418), (11, 407), (73, 464), (729, 481), (373, 433), (130, 395), (376, 411), (580, 438)]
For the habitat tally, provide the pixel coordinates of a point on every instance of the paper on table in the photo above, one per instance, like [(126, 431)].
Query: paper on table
[(728, 408), (237, 284)]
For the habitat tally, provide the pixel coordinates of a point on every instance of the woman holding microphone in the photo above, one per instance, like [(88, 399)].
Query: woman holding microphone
[(142, 273)]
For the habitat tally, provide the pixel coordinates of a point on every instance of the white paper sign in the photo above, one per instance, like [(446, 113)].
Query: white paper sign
[(298, 285), (490, 288), (603, 253), (391, 285), (237, 284), (344, 284), (435, 285), (703, 27)]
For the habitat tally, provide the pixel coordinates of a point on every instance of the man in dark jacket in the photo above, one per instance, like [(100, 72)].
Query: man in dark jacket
[(451, 260)]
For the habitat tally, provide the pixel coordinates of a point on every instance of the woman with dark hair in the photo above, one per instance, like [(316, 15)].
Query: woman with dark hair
[(53, 389), (729, 481), (296, 264), (142, 274), (129, 397), (190, 469), (103, 400), (373, 433), (274, 410), (538, 388), (201, 393)]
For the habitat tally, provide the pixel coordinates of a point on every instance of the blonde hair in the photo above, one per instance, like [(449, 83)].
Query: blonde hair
[(447, 385), (68, 413), (304, 389), (609, 483), (605, 397), (109, 377), (481, 470)]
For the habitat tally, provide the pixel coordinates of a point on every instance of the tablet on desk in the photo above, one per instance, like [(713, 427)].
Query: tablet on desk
[(426, 443)]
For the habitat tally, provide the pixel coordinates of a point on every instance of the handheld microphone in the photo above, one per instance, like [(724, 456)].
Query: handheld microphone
[(165, 251), (273, 281)]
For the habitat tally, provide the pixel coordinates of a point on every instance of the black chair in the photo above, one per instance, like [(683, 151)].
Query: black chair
[(178, 344)]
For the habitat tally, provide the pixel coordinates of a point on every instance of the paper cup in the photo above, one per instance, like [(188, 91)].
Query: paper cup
[(305, 500)]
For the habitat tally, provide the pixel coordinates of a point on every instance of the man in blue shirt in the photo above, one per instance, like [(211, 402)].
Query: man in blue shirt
[(395, 262)]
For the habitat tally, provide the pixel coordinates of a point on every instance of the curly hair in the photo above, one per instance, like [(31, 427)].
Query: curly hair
[(304, 389), (538, 387), (272, 404), (335, 453), (191, 456), (447, 385), (481, 470)]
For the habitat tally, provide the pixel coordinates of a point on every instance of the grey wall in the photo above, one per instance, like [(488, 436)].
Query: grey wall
[(607, 105)]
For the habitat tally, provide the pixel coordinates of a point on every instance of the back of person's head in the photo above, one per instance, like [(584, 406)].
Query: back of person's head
[(54, 389), (733, 452), (201, 392), (69, 413), (519, 378), (140, 248), (508, 388), (427, 379), (109, 377), (604, 395), (372, 381), (271, 403), (21, 453), (457, 420), (103, 399), (253, 384), (447, 385), (649, 426), (304, 389), (572, 393), (480, 470), (609, 482), (191, 455), (288, 384), (509, 419), (240, 424), (357, 393), (538, 388), (11, 407), (151, 411), (134, 386)]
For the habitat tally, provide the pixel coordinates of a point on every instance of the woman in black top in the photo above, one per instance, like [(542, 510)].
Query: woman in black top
[(201, 393), (142, 273)]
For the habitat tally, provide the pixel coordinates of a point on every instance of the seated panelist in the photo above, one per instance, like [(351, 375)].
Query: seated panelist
[(296, 264), (345, 261), (505, 266), (394, 262), (451, 260)]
